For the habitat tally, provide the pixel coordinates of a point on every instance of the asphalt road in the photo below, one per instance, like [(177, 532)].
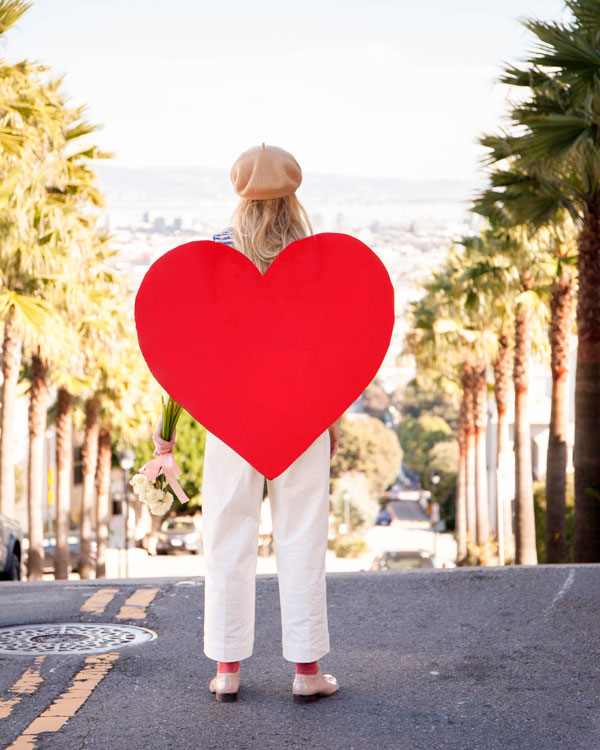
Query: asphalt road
[(468, 659)]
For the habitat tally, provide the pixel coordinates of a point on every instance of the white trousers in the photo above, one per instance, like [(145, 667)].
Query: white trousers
[(232, 494)]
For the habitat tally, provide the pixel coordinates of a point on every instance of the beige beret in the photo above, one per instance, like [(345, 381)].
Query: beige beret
[(265, 172)]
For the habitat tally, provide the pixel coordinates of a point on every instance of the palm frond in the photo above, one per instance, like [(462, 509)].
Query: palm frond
[(10, 12)]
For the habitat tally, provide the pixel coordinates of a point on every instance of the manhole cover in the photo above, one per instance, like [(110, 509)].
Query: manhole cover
[(70, 638)]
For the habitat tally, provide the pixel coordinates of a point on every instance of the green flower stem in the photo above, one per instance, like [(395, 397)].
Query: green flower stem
[(170, 415)]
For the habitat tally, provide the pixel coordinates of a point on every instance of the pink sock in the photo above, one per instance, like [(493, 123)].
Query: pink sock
[(226, 667), (307, 667)]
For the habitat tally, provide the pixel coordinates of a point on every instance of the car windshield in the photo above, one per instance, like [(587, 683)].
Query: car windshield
[(183, 526), (401, 563)]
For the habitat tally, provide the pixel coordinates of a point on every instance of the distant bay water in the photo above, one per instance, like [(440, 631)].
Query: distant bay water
[(205, 197)]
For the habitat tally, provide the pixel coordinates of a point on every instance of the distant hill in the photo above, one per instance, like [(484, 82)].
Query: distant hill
[(195, 190)]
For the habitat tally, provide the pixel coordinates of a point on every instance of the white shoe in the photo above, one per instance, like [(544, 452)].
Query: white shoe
[(310, 687), (226, 686)]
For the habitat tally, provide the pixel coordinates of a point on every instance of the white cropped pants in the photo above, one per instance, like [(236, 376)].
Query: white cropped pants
[(232, 494)]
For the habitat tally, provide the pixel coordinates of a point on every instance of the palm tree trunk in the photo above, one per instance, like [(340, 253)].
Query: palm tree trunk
[(504, 519), (481, 493), (38, 405), (561, 321), (64, 451), (11, 365), (461, 499), (587, 395), (467, 377), (103, 500), (526, 553), (89, 462)]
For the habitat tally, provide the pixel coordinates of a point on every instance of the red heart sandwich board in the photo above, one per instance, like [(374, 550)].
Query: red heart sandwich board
[(266, 362)]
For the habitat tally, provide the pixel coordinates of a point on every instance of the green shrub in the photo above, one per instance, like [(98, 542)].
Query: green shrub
[(349, 546)]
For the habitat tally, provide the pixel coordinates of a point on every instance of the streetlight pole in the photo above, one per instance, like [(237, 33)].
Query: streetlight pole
[(435, 480)]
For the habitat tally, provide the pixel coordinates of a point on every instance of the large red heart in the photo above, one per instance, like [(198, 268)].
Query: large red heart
[(266, 362)]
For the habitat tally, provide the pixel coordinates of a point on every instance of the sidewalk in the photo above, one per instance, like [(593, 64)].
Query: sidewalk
[(143, 565)]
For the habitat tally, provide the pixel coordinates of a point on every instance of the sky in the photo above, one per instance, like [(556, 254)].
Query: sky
[(396, 89)]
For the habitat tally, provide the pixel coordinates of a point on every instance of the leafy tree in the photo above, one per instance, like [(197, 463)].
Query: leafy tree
[(375, 401), (418, 437), (367, 446), (424, 398), (442, 457)]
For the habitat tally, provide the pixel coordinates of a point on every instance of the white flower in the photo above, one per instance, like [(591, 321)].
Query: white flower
[(154, 495), (137, 480), (160, 506)]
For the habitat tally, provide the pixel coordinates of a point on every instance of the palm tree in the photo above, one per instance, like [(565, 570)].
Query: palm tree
[(562, 313), (65, 227), (31, 111), (555, 137), (502, 380), (64, 453), (480, 416), (511, 262), (526, 552), (522, 195), (38, 405), (560, 243), (452, 322), (470, 458), (103, 501), (461, 483), (88, 501), (437, 362), (25, 262)]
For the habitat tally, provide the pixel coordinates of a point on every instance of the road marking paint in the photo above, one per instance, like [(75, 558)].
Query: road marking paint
[(27, 684), (135, 607), (97, 602), (65, 706), (562, 591)]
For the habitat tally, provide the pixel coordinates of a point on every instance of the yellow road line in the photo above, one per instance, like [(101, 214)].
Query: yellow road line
[(64, 707), (135, 607), (97, 603), (27, 684)]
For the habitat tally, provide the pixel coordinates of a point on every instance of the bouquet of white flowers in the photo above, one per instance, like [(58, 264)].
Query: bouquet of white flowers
[(158, 500), (150, 483)]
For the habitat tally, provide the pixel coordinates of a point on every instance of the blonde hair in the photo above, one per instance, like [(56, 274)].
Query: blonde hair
[(262, 228)]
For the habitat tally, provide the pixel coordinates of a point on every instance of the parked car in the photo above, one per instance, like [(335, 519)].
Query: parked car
[(177, 534), (384, 518), (11, 546), (74, 553), (394, 560)]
